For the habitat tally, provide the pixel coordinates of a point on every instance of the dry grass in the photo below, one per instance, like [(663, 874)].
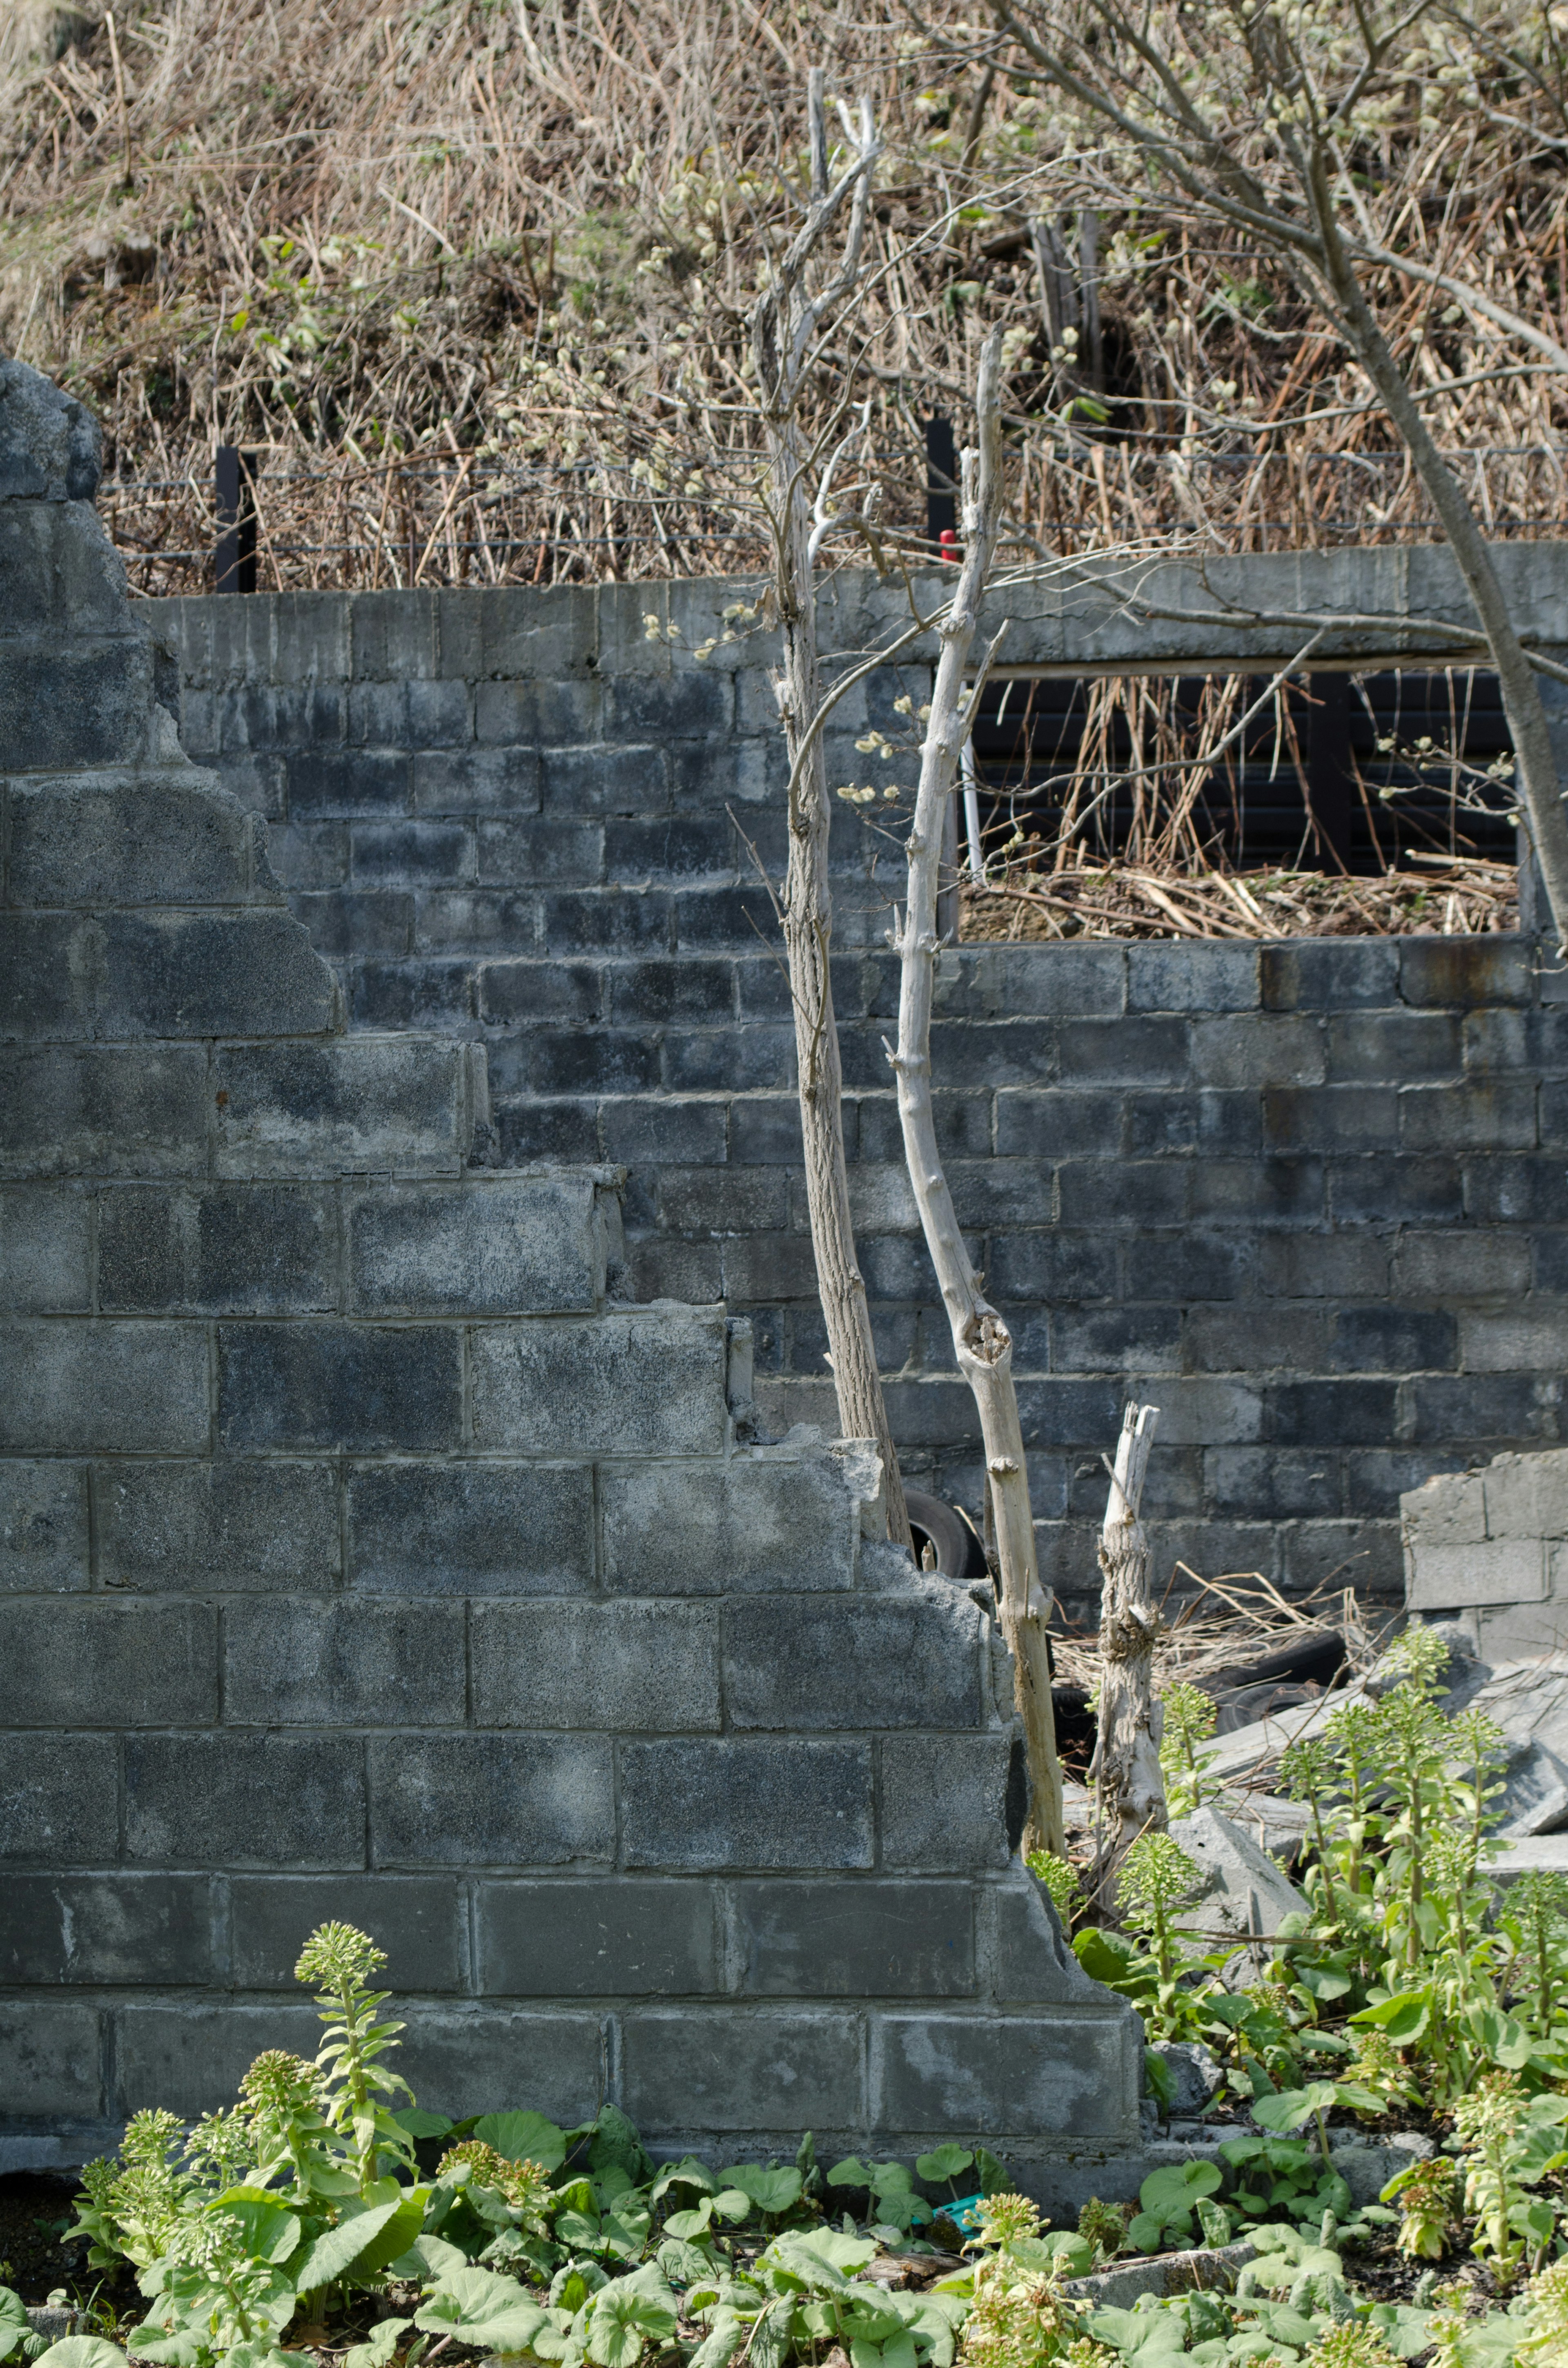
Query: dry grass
[(470, 277), (1447, 896)]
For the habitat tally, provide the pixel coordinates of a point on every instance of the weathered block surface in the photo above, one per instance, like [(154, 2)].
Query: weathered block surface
[(366, 1551), (1492, 1545), (1306, 1197)]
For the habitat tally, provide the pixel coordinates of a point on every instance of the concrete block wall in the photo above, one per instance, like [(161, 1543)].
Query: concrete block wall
[(363, 1553), (1310, 1197)]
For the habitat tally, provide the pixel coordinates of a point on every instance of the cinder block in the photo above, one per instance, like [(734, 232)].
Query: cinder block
[(1072, 2075), (1270, 1484), (245, 1800), (393, 636), (1393, 1046), (87, 1383), (478, 780), (512, 991), (648, 1381), (582, 1936), (500, 1246), (64, 707), (457, 2058), (417, 1919), (691, 1806), (231, 1250), (52, 2055), (109, 1664), (1393, 1339), (647, 1667), (1086, 981), (852, 1940), (1332, 975), (1465, 971), (339, 1385), (1192, 978), (125, 1929), (1448, 1510), (763, 1521), (1331, 1117), (1246, 1052), (139, 839), (471, 1529), (1484, 1114), (902, 1660), (1362, 1554), (714, 2069), (48, 963), (1397, 1190), (950, 1801), (1502, 1570), (492, 1800), (200, 974), (1518, 1631), (231, 1522), (296, 1662), (1527, 1495), (1332, 1413), (378, 1102), (1529, 1341), (44, 1260), (58, 1800), (43, 1527), (138, 1111), (190, 2059)]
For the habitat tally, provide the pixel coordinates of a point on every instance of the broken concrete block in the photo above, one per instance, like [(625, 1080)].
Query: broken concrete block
[(1491, 1546), (1535, 1854), (1196, 2075), (1534, 1799), (1243, 1893), (1522, 1632), (1367, 2169), (1448, 1511)]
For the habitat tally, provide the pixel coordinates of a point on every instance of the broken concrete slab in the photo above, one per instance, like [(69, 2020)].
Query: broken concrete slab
[(1215, 2267), (1367, 2166), (1195, 2074), (1245, 1894), (1534, 1855)]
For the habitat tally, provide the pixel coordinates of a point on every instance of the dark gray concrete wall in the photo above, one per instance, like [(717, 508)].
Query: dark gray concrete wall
[(363, 1555), (1311, 1199)]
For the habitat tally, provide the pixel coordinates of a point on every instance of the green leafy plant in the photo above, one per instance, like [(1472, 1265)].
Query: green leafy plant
[(342, 1960), (1190, 1721), (1167, 2202)]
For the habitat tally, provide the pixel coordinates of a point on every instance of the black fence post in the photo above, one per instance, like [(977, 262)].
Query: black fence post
[(1331, 786), (234, 556), (942, 480)]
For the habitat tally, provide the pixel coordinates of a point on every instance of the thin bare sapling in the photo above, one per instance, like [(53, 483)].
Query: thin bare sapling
[(982, 1342), (789, 316)]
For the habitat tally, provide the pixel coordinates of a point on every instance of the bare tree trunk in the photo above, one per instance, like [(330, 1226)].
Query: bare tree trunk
[(808, 933), (982, 1342), (783, 326), (1130, 1789), (1542, 789)]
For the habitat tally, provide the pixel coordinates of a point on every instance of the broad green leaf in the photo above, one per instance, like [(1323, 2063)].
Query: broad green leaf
[(522, 2137), (943, 2162), (722, 2342), (732, 2202), (1405, 2016), (1176, 2186), (419, 2125), (683, 2225), (839, 2250), (1323, 1982), (82, 2351), (851, 2172), (1288, 2108), (481, 2307), (686, 2173), (182, 2350), (429, 2259), (772, 2192), (377, 2352), (615, 2141), (1144, 2231), (271, 2231), (682, 2263), (343, 2248)]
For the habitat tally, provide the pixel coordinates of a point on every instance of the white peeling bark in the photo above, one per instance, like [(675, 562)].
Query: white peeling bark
[(1130, 1789), (982, 1342)]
